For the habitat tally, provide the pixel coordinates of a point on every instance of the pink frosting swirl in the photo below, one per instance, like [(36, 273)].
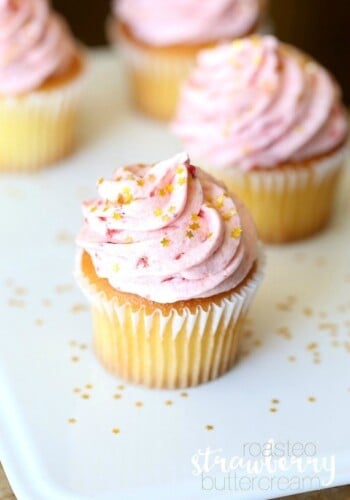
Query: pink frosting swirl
[(34, 45), (168, 232), (172, 22), (258, 103)]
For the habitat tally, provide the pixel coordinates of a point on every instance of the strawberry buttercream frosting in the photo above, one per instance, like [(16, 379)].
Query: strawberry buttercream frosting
[(168, 232), (172, 22), (35, 44), (257, 103)]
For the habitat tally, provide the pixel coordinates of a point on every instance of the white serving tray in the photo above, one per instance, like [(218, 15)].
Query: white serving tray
[(295, 347)]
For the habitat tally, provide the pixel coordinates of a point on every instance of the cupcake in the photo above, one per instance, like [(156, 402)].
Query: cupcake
[(169, 262), (160, 39), (40, 69), (267, 120)]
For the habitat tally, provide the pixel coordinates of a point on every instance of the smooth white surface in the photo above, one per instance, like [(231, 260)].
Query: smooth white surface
[(45, 457)]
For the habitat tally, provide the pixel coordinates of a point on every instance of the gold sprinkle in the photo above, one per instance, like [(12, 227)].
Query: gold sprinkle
[(275, 401), (117, 396), (189, 234), (219, 202), (168, 402), (308, 311), (39, 322), (151, 177), (140, 182), (209, 235), (165, 218), (117, 216), (273, 410), (138, 404), (74, 359), (209, 427), (128, 239), (158, 212), (88, 386), (236, 233), (16, 303), (180, 170), (184, 394), (284, 332), (116, 268), (312, 346), (120, 387), (162, 192), (85, 396), (169, 188), (93, 209), (283, 307), (165, 242), (76, 390), (311, 399), (101, 179), (181, 181), (195, 217), (257, 343), (72, 420), (194, 226), (172, 209), (116, 430), (78, 308), (229, 214)]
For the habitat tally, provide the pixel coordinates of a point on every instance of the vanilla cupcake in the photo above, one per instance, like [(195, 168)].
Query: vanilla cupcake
[(40, 69), (269, 122), (169, 261), (160, 39)]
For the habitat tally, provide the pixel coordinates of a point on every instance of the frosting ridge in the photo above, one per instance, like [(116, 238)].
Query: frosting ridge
[(171, 22), (259, 103), (35, 43), (168, 232)]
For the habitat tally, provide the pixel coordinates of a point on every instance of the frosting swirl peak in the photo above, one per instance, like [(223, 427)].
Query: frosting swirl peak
[(259, 103), (35, 44), (168, 232)]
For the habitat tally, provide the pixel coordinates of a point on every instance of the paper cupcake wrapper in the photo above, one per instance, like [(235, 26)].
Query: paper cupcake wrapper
[(183, 349), (155, 79), (289, 203), (38, 128)]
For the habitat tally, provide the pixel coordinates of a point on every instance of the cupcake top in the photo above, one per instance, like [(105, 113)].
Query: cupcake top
[(168, 232), (35, 44), (173, 22), (259, 103)]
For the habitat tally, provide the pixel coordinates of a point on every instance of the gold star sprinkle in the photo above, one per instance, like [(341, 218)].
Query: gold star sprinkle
[(117, 396), (39, 322), (74, 359), (209, 427), (165, 218), (88, 386), (72, 420), (168, 402), (229, 215), (189, 234), (85, 396), (152, 177), (209, 235), (236, 233), (158, 212), (219, 202), (194, 226), (117, 216), (128, 239), (101, 179), (169, 188), (165, 242), (116, 268), (121, 387), (195, 217), (273, 410), (138, 404), (184, 394), (140, 182), (181, 181), (180, 170), (93, 209), (275, 401), (116, 430), (311, 399), (172, 209), (162, 192)]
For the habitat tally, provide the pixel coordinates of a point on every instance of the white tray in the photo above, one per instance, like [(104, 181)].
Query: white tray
[(296, 344)]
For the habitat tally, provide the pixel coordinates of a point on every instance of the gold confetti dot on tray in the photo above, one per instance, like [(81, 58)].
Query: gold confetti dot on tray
[(85, 396), (88, 386), (74, 359), (308, 311), (18, 303), (168, 402), (184, 394), (311, 399), (116, 430), (63, 288), (284, 331), (39, 322), (209, 427), (72, 420), (120, 387), (138, 404), (20, 291), (78, 308), (284, 306), (76, 390), (273, 409), (83, 346), (117, 396), (275, 401), (311, 346)]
